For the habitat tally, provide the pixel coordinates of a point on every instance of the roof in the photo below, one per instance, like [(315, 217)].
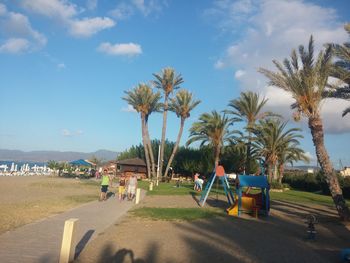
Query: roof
[(81, 162), (253, 181), (134, 161)]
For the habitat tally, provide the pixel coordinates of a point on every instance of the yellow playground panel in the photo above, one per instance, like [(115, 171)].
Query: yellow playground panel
[(248, 205)]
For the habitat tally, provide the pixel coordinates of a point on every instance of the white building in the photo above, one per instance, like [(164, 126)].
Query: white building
[(345, 171)]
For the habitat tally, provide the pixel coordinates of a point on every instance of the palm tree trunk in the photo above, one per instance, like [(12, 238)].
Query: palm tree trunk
[(150, 151), (176, 146), (269, 172), (217, 155), (162, 143), (316, 127), (247, 166), (144, 141), (281, 172)]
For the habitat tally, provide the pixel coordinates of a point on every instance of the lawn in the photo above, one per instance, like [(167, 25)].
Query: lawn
[(288, 195), (26, 199)]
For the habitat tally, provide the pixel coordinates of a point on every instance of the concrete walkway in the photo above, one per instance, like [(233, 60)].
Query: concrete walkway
[(40, 242)]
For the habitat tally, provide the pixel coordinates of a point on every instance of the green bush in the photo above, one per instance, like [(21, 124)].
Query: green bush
[(313, 183), (276, 185)]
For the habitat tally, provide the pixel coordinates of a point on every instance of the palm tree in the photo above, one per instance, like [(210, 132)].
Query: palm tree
[(248, 108), (307, 85), (270, 138), (168, 81), (212, 129), (288, 154), (144, 101), (182, 105), (341, 71)]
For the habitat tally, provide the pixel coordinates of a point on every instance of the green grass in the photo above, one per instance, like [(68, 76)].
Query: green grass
[(168, 189), (302, 197), (169, 214)]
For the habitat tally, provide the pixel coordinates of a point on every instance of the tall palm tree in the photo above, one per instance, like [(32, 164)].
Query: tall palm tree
[(341, 71), (290, 153), (182, 105), (307, 83), (270, 138), (144, 101), (248, 108), (212, 129), (168, 81)]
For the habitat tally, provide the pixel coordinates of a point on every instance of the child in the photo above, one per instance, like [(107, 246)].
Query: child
[(121, 188)]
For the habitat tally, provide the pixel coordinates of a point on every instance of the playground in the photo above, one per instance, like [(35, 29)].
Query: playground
[(277, 238), (250, 228)]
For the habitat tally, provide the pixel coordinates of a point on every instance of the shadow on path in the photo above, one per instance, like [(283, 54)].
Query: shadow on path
[(83, 242)]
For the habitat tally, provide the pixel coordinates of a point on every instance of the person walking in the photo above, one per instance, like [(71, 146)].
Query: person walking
[(104, 185), (121, 188), (132, 187)]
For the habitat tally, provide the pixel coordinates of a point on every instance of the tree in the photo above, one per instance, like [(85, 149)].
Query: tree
[(307, 83), (182, 105), (248, 108), (167, 81), (53, 165), (341, 71), (212, 129), (144, 101), (288, 154), (271, 139)]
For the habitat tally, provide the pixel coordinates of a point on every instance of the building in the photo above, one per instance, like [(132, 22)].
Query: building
[(135, 166), (345, 172)]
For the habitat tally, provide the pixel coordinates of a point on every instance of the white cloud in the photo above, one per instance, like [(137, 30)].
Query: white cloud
[(68, 133), (219, 64), (270, 31), (89, 26), (122, 11), (61, 66), (129, 108), (21, 37), (68, 14), (60, 9), (129, 49), (15, 46), (126, 9), (91, 4), (239, 73)]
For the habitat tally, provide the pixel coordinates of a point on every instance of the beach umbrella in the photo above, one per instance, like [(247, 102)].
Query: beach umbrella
[(15, 168), (12, 167)]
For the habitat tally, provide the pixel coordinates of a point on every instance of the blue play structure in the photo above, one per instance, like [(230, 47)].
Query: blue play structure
[(221, 175), (253, 202)]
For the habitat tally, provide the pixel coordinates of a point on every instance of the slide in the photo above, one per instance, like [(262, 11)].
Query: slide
[(247, 205)]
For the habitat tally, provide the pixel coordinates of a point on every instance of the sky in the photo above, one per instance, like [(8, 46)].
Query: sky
[(65, 65)]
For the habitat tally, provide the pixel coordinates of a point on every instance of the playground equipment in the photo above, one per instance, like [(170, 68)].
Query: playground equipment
[(220, 174), (251, 203)]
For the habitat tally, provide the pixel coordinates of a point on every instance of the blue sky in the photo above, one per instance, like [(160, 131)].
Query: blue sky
[(66, 64)]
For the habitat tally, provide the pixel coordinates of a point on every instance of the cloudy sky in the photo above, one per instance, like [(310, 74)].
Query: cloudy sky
[(66, 64)]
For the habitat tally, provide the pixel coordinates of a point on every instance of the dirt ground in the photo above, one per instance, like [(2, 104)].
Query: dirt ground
[(26, 199), (281, 237)]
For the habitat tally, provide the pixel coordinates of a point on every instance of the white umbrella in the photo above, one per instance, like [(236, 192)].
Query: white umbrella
[(12, 167), (15, 168)]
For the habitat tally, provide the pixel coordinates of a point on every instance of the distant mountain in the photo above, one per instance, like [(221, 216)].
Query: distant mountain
[(44, 156)]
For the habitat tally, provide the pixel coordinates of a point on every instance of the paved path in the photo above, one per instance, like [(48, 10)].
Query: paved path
[(40, 242)]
